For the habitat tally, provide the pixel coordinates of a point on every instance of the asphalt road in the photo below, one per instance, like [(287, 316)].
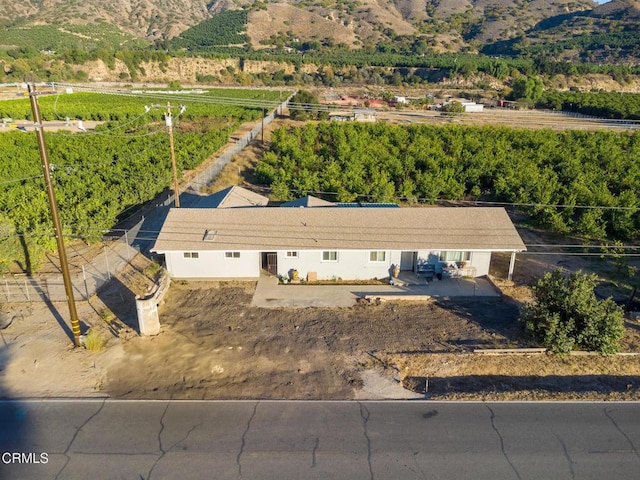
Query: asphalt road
[(318, 440)]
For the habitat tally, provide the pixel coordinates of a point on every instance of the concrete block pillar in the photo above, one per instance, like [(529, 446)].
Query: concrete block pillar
[(148, 318), (147, 308)]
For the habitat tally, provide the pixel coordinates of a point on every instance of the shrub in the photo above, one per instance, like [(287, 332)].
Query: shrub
[(93, 340), (453, 107), (567, 315)]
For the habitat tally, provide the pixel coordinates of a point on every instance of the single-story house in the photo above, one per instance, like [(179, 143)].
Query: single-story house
[(364, 114), (327, 243)]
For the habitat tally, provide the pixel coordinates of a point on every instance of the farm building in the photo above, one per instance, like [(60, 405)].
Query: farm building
[(468, 105), (471, 107), (357, 115), (327, 243)]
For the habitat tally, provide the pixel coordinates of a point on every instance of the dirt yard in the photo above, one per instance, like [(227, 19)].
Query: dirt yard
[(214, 345), (217, 346)]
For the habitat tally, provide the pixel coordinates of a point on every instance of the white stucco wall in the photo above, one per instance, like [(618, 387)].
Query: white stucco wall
[(480, 261), (351, 265), (213, 264)]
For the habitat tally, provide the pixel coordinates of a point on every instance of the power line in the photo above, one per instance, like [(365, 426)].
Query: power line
[(15, 180), (426, 200)]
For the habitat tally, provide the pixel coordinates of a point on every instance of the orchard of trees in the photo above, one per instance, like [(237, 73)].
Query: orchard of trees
[(100, 176), (603, 104), (537, 169), (224, 29)]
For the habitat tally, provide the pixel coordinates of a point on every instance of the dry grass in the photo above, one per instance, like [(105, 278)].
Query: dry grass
[(93, 340), (452, 364), (523, 377)]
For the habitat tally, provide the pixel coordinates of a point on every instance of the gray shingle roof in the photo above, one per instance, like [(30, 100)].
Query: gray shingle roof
[(274, 228)]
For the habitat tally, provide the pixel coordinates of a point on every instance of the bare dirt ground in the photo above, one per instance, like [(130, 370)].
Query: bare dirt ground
[(218, 346), (214, 345)]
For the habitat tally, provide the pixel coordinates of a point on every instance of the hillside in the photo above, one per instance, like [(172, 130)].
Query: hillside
[(139, 18), (451, 25), (571, 30)]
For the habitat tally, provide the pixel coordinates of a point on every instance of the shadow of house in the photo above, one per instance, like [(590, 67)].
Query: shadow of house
[(146, 232)]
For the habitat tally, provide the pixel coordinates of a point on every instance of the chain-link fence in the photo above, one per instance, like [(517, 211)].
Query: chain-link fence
[(206, 176), (86, 278)]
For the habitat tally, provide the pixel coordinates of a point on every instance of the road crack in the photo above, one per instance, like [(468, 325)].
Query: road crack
[(163, 452), (615, 424), (244, 441), (504, 452), (365, 414), (313, 453), (75, 435), (566, 455)]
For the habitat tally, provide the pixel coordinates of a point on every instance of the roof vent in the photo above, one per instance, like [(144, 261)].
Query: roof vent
[(209, 235)]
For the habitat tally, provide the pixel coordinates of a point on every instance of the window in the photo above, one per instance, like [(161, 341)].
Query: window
[(379, 256), (232, 254), (191, 255), (331, 256), (291, 255), (455, 256)]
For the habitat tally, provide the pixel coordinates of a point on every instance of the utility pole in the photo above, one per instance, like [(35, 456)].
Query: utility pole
[(64, 265), (262, 128), (169, 123)]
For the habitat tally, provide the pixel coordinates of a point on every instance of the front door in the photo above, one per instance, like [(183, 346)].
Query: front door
[(270, 262), (406, 260)]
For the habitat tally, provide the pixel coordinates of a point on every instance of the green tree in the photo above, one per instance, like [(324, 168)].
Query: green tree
[(453, 107), (304, 107), (567, 315), (528, 88)]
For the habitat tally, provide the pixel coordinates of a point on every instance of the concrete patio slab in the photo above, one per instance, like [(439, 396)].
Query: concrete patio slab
[(270, 294)]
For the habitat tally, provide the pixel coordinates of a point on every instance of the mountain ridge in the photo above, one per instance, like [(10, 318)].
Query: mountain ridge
[(431, 26)]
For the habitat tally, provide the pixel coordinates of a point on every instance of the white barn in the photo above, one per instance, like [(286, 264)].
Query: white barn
[(327, 243)]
